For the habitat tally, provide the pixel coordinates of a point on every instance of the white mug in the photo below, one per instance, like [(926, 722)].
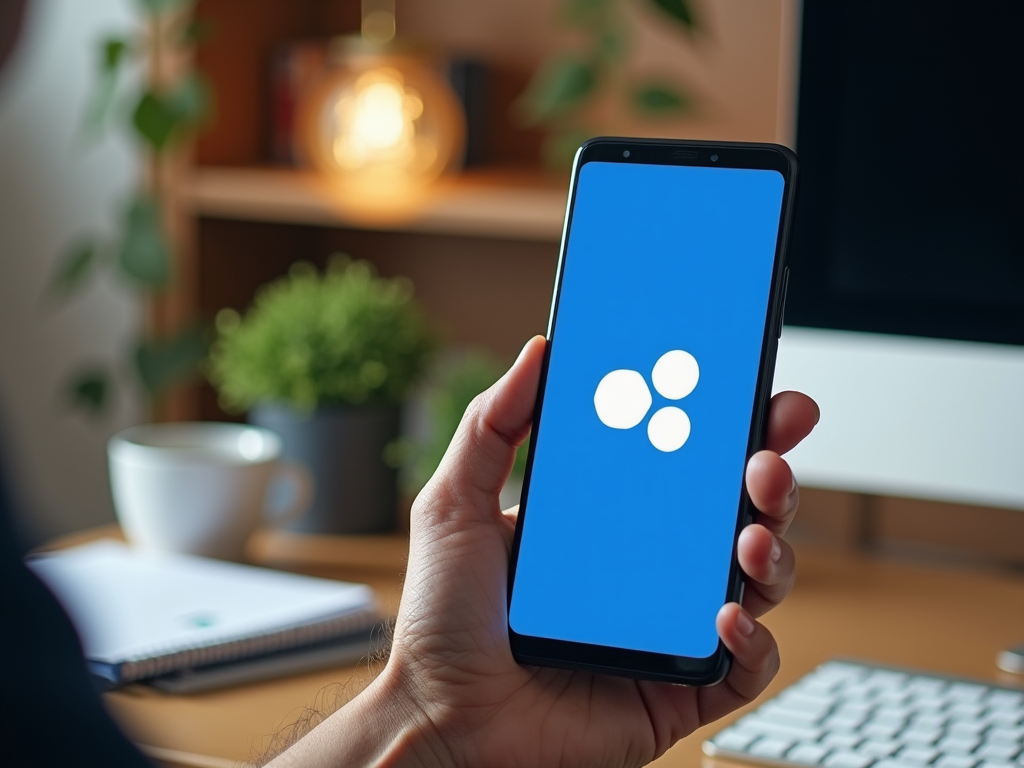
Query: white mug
[(200, 487)]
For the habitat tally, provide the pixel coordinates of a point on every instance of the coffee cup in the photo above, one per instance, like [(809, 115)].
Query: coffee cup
[(202, 488)]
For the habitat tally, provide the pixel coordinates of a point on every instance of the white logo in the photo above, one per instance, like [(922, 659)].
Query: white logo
[(622, 399)]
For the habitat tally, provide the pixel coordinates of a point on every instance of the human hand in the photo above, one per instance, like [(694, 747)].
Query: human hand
[(451, 693)]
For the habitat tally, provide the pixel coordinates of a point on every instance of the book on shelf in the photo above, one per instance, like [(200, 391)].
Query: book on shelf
[(189, 623)]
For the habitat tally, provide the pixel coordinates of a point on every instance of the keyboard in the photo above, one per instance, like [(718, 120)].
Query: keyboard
[(853, 715)]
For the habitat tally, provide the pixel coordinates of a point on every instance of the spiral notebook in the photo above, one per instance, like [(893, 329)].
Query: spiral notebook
[(144, 616)]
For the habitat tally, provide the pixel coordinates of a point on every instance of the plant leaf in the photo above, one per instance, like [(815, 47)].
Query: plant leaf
[(155, 119), (679, 10), (161, 364), (655, 98), (113, 53), (189, 100), (144, 255), (557, 88), (90, 390), (76, 265), (195, 32)]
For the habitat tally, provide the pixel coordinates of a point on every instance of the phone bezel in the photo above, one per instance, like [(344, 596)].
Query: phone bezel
[(621, 661)]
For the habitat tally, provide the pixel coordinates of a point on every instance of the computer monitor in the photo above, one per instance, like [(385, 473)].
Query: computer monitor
[(905, 314)]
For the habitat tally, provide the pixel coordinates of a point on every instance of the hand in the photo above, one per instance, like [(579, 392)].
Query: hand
[(451, 693)]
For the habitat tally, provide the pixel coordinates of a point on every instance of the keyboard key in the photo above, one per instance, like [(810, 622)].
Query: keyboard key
[(1000, 698), (1003, 734), (1007, 719), (784, 713), (1005, 751), (928, 722), (928, 686), (958, 744), (755, 724), (876, 730), (921, 736), (841, 740), (840, 722), (734, 740), (967, 691), (807, 754), (918, 755), (878, 748), (966, 710), (955, 761), (770, 747), (967, 727), (844, 759)]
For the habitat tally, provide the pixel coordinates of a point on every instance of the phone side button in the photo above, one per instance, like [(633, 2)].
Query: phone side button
[(782, 306)]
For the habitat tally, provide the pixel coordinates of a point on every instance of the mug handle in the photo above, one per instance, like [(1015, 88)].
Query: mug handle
[(301, 481)]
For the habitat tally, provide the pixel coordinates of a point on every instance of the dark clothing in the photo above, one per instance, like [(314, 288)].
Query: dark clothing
[(51, 713)]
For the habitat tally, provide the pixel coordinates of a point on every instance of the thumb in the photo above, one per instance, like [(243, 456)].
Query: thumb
[(479, 458)]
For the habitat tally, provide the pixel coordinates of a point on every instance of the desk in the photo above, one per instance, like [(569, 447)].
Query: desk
[(951, 621)]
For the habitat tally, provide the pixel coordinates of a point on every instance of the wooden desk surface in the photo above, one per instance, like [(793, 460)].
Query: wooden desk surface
[(948, 621)]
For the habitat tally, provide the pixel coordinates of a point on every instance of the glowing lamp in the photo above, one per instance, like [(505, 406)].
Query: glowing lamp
[(382, 123)]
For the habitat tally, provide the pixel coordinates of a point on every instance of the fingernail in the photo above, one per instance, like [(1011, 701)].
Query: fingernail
[(776, 549), (744, 624)]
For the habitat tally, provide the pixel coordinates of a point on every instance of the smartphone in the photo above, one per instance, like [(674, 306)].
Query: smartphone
[(654, 392)]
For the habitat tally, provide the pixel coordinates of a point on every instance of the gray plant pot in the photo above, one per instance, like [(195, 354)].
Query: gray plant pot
[(343, 448)]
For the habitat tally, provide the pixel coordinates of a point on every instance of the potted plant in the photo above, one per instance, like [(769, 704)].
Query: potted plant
[(325, 360)]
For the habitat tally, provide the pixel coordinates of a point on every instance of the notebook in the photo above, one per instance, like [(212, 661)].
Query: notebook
[(143, 616)]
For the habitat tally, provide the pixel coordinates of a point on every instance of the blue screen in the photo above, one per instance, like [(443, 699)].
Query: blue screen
[(638, 467)]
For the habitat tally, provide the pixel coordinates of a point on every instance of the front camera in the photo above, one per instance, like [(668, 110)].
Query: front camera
[(714, 158), (625, 153)]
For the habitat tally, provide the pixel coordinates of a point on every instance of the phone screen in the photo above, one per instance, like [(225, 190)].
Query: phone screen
[(637, 471)]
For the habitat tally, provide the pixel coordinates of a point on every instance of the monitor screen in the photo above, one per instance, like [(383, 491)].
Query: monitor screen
[(910, 131)]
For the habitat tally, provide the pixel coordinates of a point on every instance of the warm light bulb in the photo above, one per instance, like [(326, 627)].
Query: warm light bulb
[(382, 125)]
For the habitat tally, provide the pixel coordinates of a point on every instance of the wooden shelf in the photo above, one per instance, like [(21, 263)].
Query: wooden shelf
[(510, 206)]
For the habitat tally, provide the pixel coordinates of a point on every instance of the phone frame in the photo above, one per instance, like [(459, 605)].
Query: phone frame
[(621, 661)]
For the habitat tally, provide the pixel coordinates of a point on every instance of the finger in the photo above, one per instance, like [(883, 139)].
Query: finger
[(770, 566), (791, 418), (480, 456), (773, 489), (755, 664)]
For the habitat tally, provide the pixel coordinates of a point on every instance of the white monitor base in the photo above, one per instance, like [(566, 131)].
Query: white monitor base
[(904, 416)]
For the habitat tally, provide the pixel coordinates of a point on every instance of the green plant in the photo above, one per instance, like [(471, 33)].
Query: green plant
[(344, 337), (567, 84), (160, 110), (449, 395)]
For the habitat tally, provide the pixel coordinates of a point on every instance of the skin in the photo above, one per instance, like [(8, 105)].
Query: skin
[(451, 693)]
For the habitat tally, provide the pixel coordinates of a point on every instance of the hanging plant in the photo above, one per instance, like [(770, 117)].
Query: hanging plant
[(160, 112), (567, 84)]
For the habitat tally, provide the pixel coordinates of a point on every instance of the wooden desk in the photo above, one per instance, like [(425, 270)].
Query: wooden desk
[(951, 621)]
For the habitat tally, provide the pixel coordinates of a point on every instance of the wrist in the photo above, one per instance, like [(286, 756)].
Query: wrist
[(385, 726), (411, 734)]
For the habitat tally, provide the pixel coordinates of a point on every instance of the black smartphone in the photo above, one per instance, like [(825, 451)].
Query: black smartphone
[(654, 393)]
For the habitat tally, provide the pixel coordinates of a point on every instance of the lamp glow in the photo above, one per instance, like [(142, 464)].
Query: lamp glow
[(382, 124)]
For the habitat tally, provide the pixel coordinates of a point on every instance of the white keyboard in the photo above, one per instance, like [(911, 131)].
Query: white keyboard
[(851, 715)]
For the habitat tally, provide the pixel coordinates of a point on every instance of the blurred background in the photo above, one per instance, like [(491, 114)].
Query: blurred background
[(161, 161)]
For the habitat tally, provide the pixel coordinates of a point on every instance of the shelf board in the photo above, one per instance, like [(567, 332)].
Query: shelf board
[(502, 205)]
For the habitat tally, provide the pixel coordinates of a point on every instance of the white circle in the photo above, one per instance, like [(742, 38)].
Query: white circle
[(668, 429), (622, 399), (675, 374)]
